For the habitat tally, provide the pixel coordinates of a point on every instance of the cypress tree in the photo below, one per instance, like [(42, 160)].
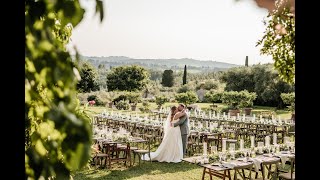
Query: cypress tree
[(184, 79), (247, 63)]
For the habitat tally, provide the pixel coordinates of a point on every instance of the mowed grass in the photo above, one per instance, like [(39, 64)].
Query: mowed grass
[(150, 170), (146, 170)]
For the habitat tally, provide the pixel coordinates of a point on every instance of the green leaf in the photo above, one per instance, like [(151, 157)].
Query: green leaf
[(40, 148)]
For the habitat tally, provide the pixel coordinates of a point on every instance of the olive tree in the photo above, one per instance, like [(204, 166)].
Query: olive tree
[(127, 78)]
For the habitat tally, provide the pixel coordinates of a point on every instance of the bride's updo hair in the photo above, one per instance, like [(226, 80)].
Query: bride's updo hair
[(173, 109)]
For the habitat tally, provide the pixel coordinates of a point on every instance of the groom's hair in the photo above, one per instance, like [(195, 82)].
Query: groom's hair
[(182, 105)]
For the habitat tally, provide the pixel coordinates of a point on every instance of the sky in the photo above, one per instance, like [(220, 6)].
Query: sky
[(218, 30)]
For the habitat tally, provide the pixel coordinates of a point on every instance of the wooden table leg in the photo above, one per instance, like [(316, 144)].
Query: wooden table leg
[(204, 171), (229, 175)]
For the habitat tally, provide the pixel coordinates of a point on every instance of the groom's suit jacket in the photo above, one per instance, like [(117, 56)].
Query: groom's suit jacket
[(184, 124)]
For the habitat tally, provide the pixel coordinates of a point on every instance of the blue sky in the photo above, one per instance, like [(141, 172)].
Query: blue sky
[(220, 30)]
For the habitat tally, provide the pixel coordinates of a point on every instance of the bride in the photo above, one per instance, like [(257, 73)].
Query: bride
[(170, 149)]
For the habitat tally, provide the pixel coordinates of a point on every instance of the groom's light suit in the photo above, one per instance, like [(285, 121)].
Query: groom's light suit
[(184, 128)]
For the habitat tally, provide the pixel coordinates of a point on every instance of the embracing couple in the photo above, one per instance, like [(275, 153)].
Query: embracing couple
[(174, 142)]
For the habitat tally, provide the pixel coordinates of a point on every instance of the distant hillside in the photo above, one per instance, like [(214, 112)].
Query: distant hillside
[(160, 64)]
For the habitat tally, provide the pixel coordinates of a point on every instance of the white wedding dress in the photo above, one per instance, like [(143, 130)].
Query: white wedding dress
[(170, 149)]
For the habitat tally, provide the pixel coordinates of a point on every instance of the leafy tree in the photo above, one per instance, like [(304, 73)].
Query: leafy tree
[(57, 133), (262, 79), (89, 77), (184, 79), (127, 78), (269, 86), (167, 78), (279, 40), (238, 79), (187, 98)]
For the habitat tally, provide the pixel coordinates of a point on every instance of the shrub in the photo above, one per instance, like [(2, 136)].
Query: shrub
[(247, 98), (83, 98), (104, 96), (289, 99), (187, 98), (150, 100), (122, 104), (213, 96), (160, 100), (224, 110), (145, 107), (119, 98), (95, 98), (185, 88), (133, 97), (236, 99), (232, 99), (209, 85)]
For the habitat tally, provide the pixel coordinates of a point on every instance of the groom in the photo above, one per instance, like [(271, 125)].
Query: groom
[(184, 127)]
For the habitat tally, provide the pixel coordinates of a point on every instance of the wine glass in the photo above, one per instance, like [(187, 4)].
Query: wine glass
[(245, 152), (224, 156), (232, 154), (220, 156), (249, 153)]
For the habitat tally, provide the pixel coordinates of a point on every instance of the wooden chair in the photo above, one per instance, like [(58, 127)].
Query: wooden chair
[(242, 174), (99, 156), (141, 151), (192, 143), (104, 154), (266, 169), (125, 150), (291, 174)]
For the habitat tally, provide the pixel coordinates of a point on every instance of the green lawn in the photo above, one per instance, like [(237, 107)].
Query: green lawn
[(146, 170), (155, 170), (284, 114)]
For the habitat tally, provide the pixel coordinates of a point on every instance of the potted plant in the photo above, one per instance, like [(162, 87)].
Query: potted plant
[(110, 104), (133, 98), (160, 100), (247, 101), (232, 99)]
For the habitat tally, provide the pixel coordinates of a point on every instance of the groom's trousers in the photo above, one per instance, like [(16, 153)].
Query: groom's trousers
[(184, 143)]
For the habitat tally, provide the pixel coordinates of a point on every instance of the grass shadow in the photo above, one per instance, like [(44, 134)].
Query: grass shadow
[(146, 170)]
